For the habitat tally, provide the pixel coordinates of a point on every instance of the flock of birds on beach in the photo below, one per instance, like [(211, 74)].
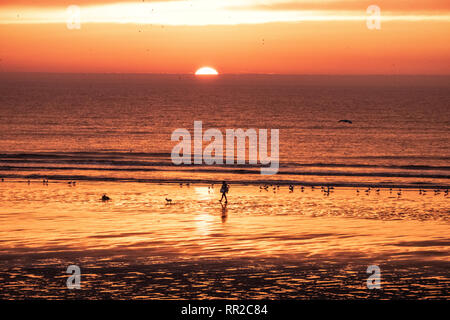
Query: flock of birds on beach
[(329, 189), (326, 190)]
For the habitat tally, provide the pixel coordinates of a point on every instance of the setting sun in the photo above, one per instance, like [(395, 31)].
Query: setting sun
[(206, 71)]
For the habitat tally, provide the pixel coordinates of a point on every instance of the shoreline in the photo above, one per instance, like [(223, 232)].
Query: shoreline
[(295, 183)]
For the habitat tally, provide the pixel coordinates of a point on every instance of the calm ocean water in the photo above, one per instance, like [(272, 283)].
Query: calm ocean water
[(118, 127)]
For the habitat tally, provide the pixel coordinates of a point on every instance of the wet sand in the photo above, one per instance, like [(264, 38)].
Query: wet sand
[(264, 244)]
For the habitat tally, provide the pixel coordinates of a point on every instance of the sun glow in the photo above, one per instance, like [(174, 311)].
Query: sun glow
[(206, 71)]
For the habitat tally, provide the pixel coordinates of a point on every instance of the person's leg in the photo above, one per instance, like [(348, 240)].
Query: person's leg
[(226, 200)]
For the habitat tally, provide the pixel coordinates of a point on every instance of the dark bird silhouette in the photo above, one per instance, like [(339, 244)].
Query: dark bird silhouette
[(105, 198), (345, 121), (168, 201)]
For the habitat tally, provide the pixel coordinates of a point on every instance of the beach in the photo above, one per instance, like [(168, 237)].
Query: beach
[(272, 244)]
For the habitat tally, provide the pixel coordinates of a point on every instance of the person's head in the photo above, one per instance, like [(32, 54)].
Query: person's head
[(223, 182)]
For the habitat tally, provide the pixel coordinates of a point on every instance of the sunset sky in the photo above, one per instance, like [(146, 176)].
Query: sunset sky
[(233, 36)]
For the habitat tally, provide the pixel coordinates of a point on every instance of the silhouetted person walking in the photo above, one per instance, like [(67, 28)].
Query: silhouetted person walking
[(224, 190)]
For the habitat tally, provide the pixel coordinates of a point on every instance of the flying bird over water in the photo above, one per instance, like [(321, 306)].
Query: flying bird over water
[(345, 121)]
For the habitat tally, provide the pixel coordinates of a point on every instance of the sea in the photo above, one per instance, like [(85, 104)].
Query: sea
[(370, 193), (117, 127)]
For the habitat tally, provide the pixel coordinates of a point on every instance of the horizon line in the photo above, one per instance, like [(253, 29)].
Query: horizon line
[(227, 74)]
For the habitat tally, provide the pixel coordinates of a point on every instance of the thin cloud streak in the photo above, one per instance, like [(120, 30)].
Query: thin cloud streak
[(271, 5), (404, 6), (65, 3), (197, 13)]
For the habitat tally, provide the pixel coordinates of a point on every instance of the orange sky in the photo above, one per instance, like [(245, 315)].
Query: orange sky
[(234, 36)]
